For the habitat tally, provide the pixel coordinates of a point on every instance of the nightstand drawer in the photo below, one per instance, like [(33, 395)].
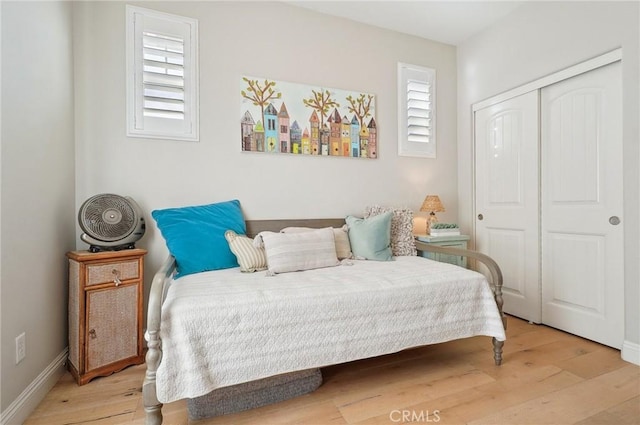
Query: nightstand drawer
[(112, 272)]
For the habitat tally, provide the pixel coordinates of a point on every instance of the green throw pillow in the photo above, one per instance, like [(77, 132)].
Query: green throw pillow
[(370, 238)]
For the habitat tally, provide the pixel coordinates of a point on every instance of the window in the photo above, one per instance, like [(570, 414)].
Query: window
[(162, 75), (416, 111)]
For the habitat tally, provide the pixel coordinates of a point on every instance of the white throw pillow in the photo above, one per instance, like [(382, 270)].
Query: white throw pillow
[(290, 252), (341, 236)]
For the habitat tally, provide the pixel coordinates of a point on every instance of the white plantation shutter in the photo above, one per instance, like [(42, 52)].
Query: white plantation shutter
[(162, 75), (416, 111)]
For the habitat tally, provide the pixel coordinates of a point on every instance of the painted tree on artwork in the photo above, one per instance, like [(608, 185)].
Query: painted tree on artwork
[(260, 95), (321, 101), (360, 106)]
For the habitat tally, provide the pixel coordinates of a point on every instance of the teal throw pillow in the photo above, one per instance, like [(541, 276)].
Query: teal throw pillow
[(195, 235), (370, 238)]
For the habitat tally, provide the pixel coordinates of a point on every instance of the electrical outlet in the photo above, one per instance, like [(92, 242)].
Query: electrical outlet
[(21, 347)]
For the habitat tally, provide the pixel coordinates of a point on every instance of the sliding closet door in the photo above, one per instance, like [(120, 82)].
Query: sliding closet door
[(582, 225), (507, 200)]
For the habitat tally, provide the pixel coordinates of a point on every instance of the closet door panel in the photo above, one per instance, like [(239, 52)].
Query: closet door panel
[(583, 288), (582, 251), (506, 171), (509, 246)]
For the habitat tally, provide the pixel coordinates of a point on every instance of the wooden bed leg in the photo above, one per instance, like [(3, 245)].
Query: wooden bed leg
[(496, 277), (152, 406), (497, 345), (497, 351)]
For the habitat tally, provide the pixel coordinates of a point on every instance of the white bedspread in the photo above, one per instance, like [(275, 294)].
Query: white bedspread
[(226, 327)]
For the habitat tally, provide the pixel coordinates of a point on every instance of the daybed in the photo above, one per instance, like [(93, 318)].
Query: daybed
[(257, 326)]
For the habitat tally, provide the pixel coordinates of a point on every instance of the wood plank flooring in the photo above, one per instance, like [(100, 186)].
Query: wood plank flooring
[(548, 377)]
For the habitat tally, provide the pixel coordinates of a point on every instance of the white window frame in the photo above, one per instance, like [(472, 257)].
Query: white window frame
[(406, 73), (138, 125)]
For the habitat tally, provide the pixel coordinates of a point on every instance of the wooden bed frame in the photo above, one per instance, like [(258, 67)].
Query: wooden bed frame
[(159, 286)]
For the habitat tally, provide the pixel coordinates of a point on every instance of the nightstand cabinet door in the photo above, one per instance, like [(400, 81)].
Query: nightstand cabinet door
[(457, 241), (105, 312), (112, 321)]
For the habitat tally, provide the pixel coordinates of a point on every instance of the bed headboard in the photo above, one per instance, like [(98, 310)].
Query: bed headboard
[(256, 226)]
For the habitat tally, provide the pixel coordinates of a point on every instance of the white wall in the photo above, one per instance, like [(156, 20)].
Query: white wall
[(264, 39), (540, 38), (37, 187), (55, 154)]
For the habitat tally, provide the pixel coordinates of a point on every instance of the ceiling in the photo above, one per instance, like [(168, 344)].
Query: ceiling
[(450, 22)]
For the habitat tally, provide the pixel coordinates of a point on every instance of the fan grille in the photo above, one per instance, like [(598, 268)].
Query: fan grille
[(107, 217)]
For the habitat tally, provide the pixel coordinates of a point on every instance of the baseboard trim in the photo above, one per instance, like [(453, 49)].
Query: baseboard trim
[(631, 352), (28, 400)]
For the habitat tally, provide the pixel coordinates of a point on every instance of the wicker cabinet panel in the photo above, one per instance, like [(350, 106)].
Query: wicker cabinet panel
[(74, 314), (106, 341), (106, 273), (105, 312)]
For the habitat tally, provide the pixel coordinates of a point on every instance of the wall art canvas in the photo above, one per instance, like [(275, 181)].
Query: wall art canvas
[(298, 119)]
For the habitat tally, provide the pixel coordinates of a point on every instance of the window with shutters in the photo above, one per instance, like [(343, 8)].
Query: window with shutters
[(162, 75), (416, 111)]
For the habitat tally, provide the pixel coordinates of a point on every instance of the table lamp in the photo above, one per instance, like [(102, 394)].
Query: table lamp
[(432, 205)]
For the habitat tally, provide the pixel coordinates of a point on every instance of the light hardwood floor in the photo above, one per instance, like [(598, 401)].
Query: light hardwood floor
[(548, 377)]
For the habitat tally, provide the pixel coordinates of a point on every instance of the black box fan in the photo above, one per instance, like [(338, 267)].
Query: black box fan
[(110, 222)]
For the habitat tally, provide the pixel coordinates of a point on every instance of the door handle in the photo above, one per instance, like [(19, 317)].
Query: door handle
[(480, 217), (614, 220)]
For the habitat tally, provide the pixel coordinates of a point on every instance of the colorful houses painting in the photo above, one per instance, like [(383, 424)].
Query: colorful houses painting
[(283, 117)]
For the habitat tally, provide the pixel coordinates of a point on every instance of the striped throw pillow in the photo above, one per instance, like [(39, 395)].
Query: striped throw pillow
[(250, 259), (341, 235), (290, 252)]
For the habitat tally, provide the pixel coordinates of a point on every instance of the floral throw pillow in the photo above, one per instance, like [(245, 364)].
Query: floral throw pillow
[(402, 240)]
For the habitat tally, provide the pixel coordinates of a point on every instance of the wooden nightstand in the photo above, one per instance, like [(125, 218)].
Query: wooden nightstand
[(455, 241), (105, 312)]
